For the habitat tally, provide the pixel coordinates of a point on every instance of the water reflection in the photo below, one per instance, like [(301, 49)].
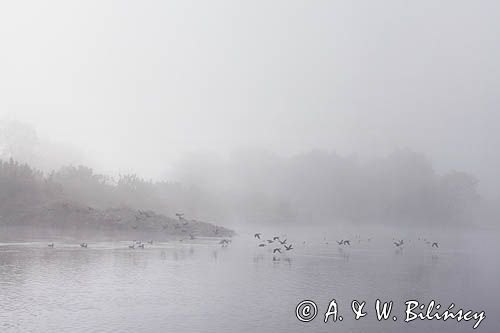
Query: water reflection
[(186, 287)]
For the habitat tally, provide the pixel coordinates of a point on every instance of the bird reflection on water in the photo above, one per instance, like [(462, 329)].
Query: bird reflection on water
[(172, 278)]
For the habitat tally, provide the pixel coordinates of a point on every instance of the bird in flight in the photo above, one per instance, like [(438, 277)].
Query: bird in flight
[(435, 244), (398, 244), (257, 235), (283, 242), (262, 245), (277, 250), (340, 242), (289, 247)]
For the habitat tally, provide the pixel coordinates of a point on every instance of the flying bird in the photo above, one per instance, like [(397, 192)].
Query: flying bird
[(262, 245), (400, 243), (289, 247), (275, 238), (270, 241), (283, 242), (224, 242), (340, 242), (257, 235), (346, 242), (277, 250), (435, 244), (51, 245)]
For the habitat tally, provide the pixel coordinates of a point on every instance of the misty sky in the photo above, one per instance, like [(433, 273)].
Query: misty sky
[(135, 84)]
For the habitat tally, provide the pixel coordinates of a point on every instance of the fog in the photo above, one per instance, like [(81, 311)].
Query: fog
[(208, 166), (170, 90)]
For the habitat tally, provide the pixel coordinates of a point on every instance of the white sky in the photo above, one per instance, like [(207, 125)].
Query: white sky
[(134, 84)]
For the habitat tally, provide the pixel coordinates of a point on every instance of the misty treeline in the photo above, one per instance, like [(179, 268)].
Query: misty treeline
[(22, 187), (325, 187), (262, 187), (250, 186)]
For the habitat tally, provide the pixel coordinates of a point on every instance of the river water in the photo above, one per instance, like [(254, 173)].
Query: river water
[(198, 286)]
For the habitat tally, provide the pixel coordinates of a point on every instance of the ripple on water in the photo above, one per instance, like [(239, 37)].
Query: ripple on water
[(204, 288)]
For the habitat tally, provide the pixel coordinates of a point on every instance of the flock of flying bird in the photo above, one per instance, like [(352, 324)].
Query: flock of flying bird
[(265, 242), (343, 242), (275, 239), (401, 242)]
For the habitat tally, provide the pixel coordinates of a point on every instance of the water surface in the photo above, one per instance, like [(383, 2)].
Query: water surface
[(201, 287)]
